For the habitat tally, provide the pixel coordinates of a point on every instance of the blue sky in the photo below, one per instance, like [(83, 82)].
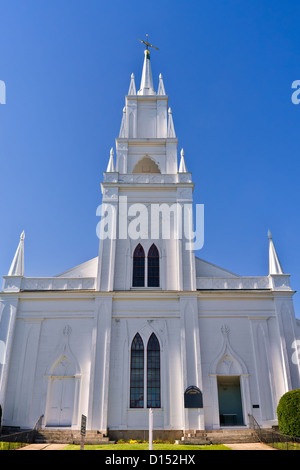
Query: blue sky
[(227, 66)]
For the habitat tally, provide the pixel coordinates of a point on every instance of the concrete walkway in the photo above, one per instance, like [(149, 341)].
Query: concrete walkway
[(250, 446), (45, 446)]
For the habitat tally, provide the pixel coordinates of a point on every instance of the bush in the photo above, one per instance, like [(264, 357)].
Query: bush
[(288, 412)]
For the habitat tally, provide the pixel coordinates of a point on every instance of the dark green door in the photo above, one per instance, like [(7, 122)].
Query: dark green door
[(230, 401)]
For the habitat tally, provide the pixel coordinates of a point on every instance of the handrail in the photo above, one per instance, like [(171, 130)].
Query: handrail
[(254, 425), (38, 424)]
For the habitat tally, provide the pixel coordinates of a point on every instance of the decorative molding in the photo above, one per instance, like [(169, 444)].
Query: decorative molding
[(218, 283), (58, 283), (227, 362)]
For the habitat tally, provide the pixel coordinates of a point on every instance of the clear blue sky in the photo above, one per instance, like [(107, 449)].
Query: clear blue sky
[(228, 67)]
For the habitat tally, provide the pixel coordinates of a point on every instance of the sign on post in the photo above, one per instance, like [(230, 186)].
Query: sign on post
[(193, 397), (82, 431)]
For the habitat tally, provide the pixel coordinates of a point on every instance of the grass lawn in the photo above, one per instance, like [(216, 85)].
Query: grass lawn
[(145, 446), (11, 445)]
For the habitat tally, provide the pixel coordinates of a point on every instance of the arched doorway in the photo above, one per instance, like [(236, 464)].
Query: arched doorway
[(229, 386), (61, 394)]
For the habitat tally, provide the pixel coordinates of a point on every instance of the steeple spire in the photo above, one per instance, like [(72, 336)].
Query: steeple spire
[(182, 166), (17, 266), (146, 87), (274, 263), (132, 90), (111, 164), (171, 130), (161, 88)]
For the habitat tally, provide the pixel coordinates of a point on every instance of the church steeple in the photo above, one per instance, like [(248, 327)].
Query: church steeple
[(146, 172)]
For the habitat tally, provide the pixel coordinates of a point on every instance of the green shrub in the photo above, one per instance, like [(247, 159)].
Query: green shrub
[(288, 413)]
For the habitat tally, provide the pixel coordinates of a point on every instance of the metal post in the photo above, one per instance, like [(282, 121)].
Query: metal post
[(150, 429), (82, 431)]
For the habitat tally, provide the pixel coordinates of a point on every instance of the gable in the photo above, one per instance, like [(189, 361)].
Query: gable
[(206, 269), (87, 269)]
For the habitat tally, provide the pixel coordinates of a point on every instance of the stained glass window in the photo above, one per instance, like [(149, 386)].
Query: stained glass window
[(138, 275), (137, 373), (153, 267), (153, 372)]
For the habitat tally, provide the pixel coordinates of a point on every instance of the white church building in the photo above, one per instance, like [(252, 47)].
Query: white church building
[(146, 323)]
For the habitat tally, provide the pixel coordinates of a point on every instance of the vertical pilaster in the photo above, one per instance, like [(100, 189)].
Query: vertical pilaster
[(191, 358), (98, 402), (8, 312), (107, 244), (287, 332)]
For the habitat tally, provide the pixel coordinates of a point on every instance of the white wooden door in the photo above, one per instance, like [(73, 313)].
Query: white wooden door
[(61, 403)]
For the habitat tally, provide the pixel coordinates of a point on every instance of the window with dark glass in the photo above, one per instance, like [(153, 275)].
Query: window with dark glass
[(137, 373), (153, 267), (153, 372), (138, 275)]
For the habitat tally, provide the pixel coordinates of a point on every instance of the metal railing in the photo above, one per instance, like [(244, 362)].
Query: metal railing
[(21, 438), (274, 438)]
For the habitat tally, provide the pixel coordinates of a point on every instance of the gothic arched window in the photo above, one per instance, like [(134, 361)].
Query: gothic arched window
[(137, 373), (153, 372), (153, 266), (138, 274)]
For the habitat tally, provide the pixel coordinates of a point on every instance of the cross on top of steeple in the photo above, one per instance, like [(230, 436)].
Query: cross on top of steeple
[(148, 44)]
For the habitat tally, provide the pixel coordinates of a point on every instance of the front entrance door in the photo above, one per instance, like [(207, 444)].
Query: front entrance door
[(230, 401), (61, 403)]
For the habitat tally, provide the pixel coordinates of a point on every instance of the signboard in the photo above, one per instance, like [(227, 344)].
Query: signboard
[(83, 425), (193, 397)]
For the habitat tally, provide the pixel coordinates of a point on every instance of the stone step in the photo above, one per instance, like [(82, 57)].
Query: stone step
[(70, 437), (219, 436)]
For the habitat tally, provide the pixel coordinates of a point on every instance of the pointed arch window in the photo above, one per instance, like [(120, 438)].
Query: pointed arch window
[(138, 275), (153, 372), (137, 373), (153, 266)]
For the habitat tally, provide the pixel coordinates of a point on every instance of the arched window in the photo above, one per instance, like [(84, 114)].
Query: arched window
[(153, 266), (146, 165), (153, 372), (138, 275), (137, 373)]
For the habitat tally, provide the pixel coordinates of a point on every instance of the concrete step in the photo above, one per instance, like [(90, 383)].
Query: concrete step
[(219, 436), (70, 437)]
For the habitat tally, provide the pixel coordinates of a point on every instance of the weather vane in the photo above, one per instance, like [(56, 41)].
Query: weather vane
[(148, 44)]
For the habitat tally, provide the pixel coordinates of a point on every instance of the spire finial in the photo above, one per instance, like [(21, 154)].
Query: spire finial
[(274, 263), (146, 87), (171, 130), (269, 235), (111, 164), (17, 266), (161, 88), (182, 166), (132, 90), (148, 44)]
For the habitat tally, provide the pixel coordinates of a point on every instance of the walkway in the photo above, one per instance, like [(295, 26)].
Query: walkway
[(45, 446), (248, 446)]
